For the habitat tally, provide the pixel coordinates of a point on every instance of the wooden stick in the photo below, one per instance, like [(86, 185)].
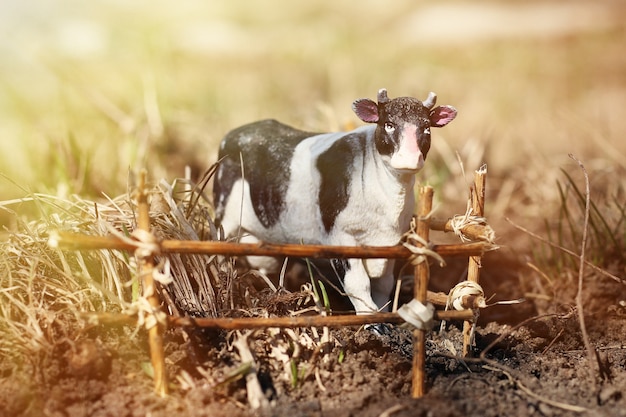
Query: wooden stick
[(76, 241), (422, 272), (146, 266), (467, 301), (473, 232), (473, 270), (239, 323)]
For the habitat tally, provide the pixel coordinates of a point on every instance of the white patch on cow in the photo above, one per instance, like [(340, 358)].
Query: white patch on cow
[(265, 264), (301, 221), (245, 212), (239, 206), (408, 157)]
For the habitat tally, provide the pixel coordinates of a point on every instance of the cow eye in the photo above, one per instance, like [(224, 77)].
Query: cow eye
[(427, 131), (389, 127)]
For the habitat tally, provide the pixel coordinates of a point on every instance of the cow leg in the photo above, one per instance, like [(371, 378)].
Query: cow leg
[(357, 285), (380, 272), (382, 288), (265, 264)]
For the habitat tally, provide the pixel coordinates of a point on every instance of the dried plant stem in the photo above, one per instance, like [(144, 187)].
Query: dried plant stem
[(146, 267), (473, 271), (499, 368), (591, 353), (66, 240), (569, 252), (227, 323), (422, 273), (256, 396)]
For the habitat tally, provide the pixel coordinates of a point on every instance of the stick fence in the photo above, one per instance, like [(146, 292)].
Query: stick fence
[(150, 247)]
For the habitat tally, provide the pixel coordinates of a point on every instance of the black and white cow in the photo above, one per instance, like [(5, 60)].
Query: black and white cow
[(283, 185)]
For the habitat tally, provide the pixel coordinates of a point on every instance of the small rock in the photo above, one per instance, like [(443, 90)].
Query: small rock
[(546, 410), (609, 393)]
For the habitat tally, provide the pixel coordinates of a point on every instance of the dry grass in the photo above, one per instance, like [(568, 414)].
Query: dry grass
[(45, 290)]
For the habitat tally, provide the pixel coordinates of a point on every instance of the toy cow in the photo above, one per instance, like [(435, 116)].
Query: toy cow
[(283, 185)]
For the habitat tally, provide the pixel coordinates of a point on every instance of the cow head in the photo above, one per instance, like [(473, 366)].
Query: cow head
[(403, 133)]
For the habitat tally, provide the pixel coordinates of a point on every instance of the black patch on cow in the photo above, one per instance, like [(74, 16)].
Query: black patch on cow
[(386, 144), (266, 148), (228, 172), (334, 166), (340, 266)]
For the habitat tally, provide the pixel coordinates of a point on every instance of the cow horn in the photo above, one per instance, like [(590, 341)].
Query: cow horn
[(430, 101), (382, 95)]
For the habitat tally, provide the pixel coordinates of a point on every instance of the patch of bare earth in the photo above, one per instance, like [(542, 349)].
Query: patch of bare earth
[(538, 367)]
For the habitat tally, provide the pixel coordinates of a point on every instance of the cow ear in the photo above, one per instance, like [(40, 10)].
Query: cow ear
[(366, 109), (442, 115)]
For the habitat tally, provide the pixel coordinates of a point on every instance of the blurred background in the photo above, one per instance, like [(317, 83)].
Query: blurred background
[(90, 91)]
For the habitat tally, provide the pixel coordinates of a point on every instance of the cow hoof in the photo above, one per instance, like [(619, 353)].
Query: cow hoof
[(380, 329)]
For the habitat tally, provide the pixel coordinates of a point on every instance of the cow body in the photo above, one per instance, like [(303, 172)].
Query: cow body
[(283, 185)]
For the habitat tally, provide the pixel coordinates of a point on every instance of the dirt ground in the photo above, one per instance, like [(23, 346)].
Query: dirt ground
[(533, 362)]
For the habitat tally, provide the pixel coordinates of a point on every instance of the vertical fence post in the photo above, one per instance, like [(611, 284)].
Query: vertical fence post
[(473, 268), (422, 272), (146, 267)]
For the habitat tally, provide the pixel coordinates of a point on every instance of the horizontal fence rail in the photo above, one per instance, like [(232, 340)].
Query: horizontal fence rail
[(69, 241)]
